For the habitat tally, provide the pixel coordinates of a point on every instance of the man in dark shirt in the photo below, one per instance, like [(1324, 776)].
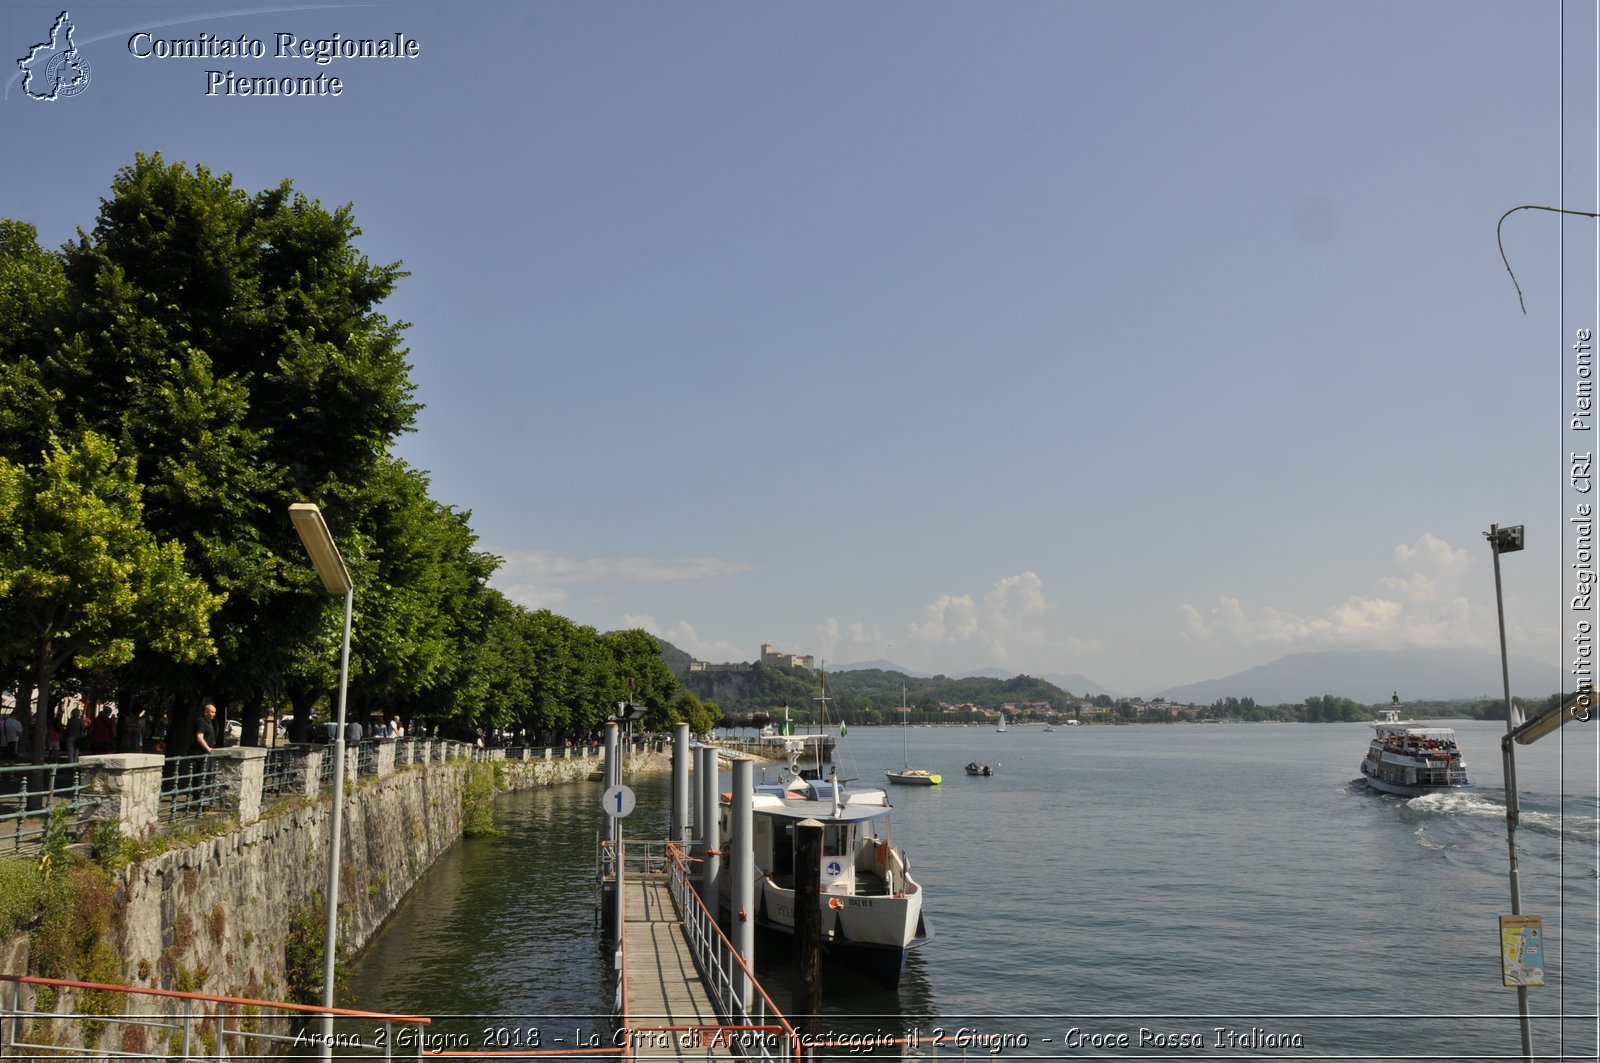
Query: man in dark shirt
[(205, 732)]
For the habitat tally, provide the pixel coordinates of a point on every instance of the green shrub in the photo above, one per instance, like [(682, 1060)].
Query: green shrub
[(477, 801), (54, 858), (21, 893), (304, 955), (112, 849), (76, 913)]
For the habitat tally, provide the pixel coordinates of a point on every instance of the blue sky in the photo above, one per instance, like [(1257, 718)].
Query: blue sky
[(1144, 340)]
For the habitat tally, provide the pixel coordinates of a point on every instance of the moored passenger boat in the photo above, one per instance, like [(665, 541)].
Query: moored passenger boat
[(871, 906), (1409, 761)]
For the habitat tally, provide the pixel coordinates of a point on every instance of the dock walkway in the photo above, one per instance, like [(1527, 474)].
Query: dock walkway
[(687, 994), (665, 990)]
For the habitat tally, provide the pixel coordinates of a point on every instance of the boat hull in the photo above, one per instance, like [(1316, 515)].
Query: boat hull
[(913, 778), (1400, 789), (870, 935), (870, 906)]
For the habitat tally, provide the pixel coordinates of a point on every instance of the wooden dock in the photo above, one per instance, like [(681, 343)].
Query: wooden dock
[(664, 986)]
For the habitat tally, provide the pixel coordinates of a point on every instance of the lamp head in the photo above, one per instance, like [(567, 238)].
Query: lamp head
[(1577, 707), (319, 544), (1505, 540)]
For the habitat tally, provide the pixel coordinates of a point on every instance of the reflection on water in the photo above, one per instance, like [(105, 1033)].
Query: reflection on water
[(1104, 877)]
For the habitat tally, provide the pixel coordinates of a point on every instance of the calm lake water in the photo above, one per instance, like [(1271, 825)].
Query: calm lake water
[(1214, 891)]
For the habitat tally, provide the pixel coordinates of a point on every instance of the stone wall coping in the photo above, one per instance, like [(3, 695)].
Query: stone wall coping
[(125, 761), (241, 753)]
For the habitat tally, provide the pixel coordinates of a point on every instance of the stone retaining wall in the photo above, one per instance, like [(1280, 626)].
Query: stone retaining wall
[(214, 917)]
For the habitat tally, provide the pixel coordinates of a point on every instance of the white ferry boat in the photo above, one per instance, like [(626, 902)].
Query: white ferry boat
[(871, 906), (1410, 761)]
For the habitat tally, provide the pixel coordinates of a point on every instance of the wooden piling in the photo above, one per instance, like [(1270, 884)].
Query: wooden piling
[(806, 1009)]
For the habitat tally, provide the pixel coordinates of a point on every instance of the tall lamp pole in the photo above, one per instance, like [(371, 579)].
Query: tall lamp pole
[(1506, 541), (325, 557)]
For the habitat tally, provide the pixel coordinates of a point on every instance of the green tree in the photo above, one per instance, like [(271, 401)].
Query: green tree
[(416, 576), (1330, 709), (84, 579), (701, 716), (638, 663), (32, 301), (232, 344)]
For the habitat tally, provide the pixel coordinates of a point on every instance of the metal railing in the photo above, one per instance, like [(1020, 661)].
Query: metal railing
[(752, 1024), (27, 794), (192, 1026), (277, 774), (190, 786)]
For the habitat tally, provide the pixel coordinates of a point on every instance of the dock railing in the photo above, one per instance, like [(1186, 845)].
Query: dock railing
[(188, 1026), (752, 1022)]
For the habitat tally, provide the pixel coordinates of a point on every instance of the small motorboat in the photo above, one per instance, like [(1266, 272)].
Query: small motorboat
[(979, 769)]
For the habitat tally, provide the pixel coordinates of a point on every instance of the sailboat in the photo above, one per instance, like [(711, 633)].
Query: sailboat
[(907, 775), (1002, 727)]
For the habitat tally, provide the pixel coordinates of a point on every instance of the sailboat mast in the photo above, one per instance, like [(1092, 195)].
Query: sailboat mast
[(905, 718)]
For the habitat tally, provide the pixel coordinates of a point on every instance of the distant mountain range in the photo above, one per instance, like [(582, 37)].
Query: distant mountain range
[(1372, 676), (1367, 676), (1081, 685), (880, 665)]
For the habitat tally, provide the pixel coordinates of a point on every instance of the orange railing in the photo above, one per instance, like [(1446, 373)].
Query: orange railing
[(198, 1026), (752, 1020)]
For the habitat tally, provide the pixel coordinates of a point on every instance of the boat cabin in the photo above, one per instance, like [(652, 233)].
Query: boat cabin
[(850, 835)]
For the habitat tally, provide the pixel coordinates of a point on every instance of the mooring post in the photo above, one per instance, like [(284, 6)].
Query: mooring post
[(613, 764), (742, 870), (697, 804), (808, 928), (680, 784), (711, 853)]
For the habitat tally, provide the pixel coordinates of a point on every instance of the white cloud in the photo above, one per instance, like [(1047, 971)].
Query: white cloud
[(540, 565), (1432, 569), (849, 640), (530, 596), (534, 579), (949, 618), (1005, 626), (1421, 606), (683, 635)]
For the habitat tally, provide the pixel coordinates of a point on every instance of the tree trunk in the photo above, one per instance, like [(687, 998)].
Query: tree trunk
[(41, 716), (39, 779), (301, 699), (250, 721), (180, 737)]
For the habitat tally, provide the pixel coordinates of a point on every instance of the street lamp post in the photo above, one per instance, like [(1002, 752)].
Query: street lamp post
[(1577, 706), (307, 518), (1505, 541)]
